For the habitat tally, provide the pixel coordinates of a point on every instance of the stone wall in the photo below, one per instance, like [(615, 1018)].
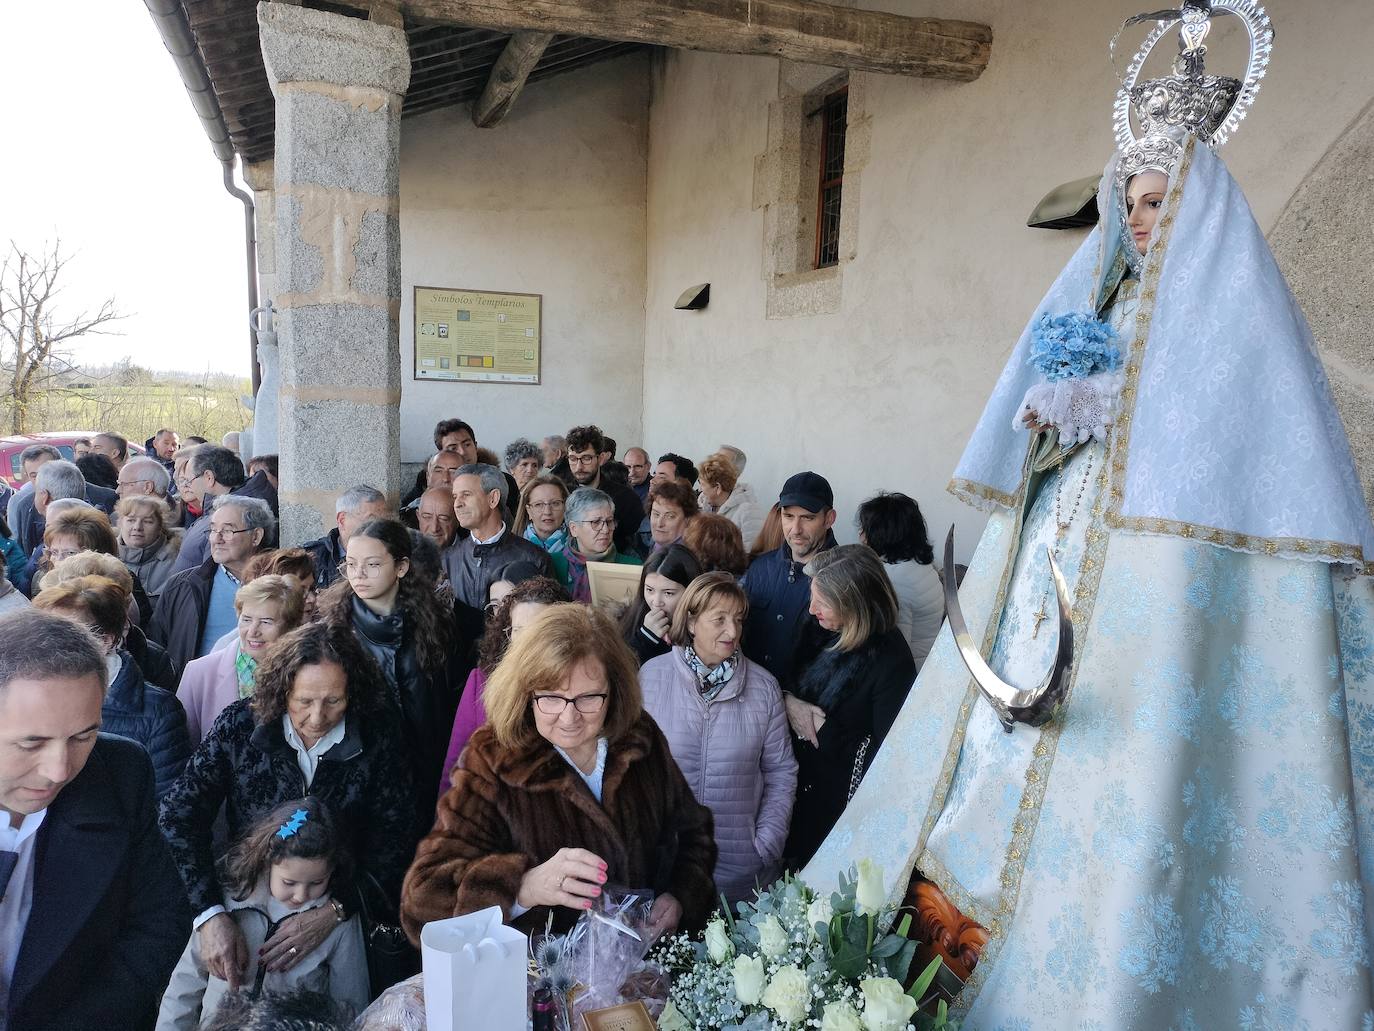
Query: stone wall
[(1324, 240), (883, 392), (550, 201)]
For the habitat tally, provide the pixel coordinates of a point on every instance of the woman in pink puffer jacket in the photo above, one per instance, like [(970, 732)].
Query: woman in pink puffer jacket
[(725, 723)]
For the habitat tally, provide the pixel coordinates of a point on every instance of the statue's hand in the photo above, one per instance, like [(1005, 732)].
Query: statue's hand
[(1030, 418)]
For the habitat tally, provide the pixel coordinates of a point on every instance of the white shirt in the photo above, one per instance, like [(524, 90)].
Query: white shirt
[(309, 758), (593, 779), (490, 540), (18, 900)]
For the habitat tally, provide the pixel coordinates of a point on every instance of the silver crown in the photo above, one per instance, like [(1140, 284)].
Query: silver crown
[(1189, 101)]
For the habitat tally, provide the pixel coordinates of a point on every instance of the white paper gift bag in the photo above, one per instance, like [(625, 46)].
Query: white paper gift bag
[(475, 973)]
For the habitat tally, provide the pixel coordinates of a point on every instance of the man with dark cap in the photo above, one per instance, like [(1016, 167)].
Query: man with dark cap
[(779, 589)]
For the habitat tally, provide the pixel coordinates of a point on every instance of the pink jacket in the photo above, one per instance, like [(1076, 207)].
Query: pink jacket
[(208, 686), (736, 753)]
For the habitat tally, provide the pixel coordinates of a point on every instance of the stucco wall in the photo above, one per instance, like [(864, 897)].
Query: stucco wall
[(551, 201), (884, 393)]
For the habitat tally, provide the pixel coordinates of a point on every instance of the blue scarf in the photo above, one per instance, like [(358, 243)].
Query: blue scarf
[(555, 542)]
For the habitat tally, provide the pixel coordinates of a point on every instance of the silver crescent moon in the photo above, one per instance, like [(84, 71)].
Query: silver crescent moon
[(1033, 706)]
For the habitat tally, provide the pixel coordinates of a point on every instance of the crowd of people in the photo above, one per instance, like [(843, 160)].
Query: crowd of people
[(421, 713)]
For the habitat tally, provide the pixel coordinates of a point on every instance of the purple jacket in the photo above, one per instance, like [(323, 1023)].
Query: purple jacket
[(471, 715), (736, 753)]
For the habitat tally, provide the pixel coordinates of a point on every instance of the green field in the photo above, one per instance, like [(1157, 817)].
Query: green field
[(209, 408)]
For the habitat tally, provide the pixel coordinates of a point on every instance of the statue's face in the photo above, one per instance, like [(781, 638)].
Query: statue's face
[(1144, 199)]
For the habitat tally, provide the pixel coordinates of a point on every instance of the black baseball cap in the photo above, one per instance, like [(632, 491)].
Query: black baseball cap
[(807, 490)]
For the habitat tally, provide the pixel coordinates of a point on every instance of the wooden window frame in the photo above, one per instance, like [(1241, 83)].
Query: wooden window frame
[(828, 105)]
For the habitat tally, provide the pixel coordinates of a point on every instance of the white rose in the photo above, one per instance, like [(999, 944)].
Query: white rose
[(819, 912), (838, 1016), (870, 896), (772, 938), (748, 979), (886, 1006), (718, 942), (788, 995), (671, 1020)]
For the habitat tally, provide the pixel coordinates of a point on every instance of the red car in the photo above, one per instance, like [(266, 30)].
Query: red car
[(12, 447)]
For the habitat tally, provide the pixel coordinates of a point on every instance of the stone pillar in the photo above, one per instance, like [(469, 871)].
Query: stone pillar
[(338, 84)]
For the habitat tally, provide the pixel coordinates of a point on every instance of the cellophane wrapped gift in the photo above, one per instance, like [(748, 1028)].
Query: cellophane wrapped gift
[(601, 961), (400, 1008)]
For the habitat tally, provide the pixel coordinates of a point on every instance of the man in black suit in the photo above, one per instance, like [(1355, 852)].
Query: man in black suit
[(93, 914)]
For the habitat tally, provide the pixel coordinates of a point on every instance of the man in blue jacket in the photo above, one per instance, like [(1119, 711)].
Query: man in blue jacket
[(779, 589), (93, 913)]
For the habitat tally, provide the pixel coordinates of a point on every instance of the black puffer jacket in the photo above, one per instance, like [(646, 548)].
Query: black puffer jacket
[(152, 717), (249, 769), (861, 692)]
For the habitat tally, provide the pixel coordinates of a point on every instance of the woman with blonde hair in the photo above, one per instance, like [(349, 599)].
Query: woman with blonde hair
[(568, 786), (268, 607), (149, 541), (848, 696), (726, 725), (722, 493)]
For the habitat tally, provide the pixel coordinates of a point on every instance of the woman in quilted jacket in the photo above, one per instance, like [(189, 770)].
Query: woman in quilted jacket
[(726, 726)]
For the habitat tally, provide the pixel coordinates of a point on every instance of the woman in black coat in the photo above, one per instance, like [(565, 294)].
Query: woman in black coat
[(316, 724), (848, 696), (386, 595)]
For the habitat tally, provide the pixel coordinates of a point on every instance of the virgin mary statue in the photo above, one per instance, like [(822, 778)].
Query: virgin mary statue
[(1188, 843)]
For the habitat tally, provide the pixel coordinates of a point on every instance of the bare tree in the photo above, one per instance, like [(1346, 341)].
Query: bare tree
[(33, 336)]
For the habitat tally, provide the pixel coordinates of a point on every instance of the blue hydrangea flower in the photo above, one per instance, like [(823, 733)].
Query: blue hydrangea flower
[(1072, 346)]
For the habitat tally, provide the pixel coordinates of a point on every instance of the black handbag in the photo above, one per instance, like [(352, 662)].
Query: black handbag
[(390, 956)]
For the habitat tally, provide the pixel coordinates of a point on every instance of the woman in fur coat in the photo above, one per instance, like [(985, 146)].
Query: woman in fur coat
[(568, 787)]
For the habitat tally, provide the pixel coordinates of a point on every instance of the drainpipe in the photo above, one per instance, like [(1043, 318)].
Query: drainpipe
[(170, 19)]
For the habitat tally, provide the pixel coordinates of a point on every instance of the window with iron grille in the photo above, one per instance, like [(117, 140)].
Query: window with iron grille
[(833, 119)]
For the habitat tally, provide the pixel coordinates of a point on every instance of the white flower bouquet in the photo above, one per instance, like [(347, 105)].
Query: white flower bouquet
[(794, 959)]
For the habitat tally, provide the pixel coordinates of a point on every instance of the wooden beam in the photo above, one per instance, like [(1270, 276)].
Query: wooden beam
[(800, 30), (508, 77)]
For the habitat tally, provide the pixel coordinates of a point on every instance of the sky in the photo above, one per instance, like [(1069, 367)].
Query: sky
[(103, 150)]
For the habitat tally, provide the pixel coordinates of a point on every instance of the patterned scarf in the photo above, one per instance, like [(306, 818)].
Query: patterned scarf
[(710, 680), (581, 587), (246, 667), (555, 542)]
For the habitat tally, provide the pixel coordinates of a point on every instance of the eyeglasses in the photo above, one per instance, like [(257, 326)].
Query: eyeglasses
[(582, 460), (554, 704), (132, 483), (224, 533), (56, 556), (367, 571), (545, 506), (598, 524)]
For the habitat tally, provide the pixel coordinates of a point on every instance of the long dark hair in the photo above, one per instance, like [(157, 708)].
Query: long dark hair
[(430, 624), (313, 836), (676, 563), (893, 526)]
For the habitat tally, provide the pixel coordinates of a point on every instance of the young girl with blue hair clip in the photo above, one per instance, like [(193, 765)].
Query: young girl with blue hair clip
[(285, 865)]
